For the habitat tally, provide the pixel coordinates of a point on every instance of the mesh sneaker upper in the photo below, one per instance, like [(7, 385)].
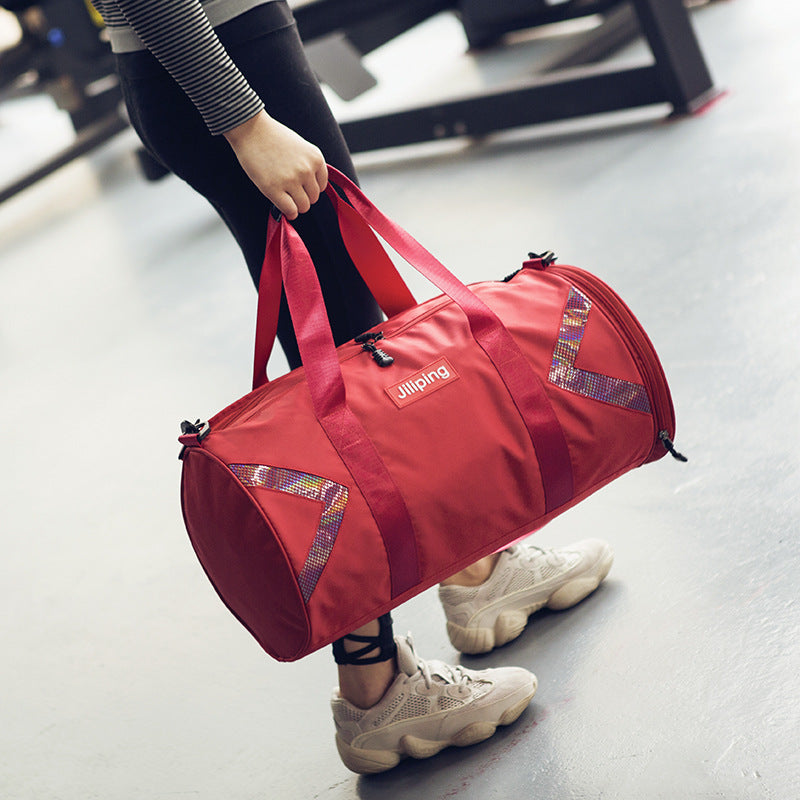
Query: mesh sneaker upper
[(427, 699), (525, 577)]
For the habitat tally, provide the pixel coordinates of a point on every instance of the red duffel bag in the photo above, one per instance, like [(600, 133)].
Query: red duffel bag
[(327, 497)]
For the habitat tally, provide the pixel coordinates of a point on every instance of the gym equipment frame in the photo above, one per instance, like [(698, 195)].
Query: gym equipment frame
[(573, 88), (61, 53), (574, 85)]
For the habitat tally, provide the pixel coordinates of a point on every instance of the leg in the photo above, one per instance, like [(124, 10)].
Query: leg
[(277, 68), (427, 706), (367, 662), (475, 574), (172, 130)]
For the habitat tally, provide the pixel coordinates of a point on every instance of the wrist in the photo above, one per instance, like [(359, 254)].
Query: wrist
[(247, 128)]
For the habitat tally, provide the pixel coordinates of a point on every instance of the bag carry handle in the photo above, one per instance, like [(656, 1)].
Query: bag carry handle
[(326, 384), (373, 263)]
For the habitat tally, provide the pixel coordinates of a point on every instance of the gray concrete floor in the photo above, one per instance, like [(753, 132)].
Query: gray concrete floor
[(126, 308)]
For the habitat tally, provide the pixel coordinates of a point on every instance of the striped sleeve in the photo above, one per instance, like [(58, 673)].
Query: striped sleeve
[(179, 35)]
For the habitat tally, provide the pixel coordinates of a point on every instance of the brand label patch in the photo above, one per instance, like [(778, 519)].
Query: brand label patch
[(422, 383)]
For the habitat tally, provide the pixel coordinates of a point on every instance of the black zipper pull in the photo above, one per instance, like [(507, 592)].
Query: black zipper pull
[(544, 260), (547, 258), (670, 448), (188, 428), (381, 358), (367, 342), (192, 433)]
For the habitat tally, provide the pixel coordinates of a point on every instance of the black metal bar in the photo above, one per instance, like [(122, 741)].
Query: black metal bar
[(85, 142), (682, 70), (580, 94), (619, 28)]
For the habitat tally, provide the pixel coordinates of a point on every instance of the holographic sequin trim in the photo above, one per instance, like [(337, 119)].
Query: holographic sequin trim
[(564, 374), (333, 497)]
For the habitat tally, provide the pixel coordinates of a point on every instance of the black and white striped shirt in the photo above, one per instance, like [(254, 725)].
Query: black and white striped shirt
[(180, 34)]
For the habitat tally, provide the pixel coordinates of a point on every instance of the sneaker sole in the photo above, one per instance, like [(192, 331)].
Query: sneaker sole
[(367, 762), (510, 624)]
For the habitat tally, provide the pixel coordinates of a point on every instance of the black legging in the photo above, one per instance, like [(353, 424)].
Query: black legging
[(264, 44)]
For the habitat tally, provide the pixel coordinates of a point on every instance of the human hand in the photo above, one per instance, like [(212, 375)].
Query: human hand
[(287, 169)]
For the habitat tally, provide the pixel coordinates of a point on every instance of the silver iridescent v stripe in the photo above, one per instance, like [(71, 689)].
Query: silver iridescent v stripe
[(564, 374), (333, 497)]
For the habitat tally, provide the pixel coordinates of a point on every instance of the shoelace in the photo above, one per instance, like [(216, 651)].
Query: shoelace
[(556, 559), (524, 552), (451, 674)]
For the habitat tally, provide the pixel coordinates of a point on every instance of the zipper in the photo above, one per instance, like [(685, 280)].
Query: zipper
[(643, 352), (391, 328), (367, 342), (242, 409), (610, 302)]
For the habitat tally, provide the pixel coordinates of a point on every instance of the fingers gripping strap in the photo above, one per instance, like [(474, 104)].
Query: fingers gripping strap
[(384, 644)]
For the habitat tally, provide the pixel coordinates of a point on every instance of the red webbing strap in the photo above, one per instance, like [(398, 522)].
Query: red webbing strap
[(524, 386), (326, 386), (269, 295), (372, 261), (376, 268)]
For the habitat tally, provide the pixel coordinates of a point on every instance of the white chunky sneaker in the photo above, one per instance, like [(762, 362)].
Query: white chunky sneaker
[(526, 578), (430, 706)]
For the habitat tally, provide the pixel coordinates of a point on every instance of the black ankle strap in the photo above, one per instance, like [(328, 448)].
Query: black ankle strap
[(383, 643)]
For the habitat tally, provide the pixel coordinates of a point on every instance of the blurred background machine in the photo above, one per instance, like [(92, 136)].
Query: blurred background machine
[(61, 50)]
